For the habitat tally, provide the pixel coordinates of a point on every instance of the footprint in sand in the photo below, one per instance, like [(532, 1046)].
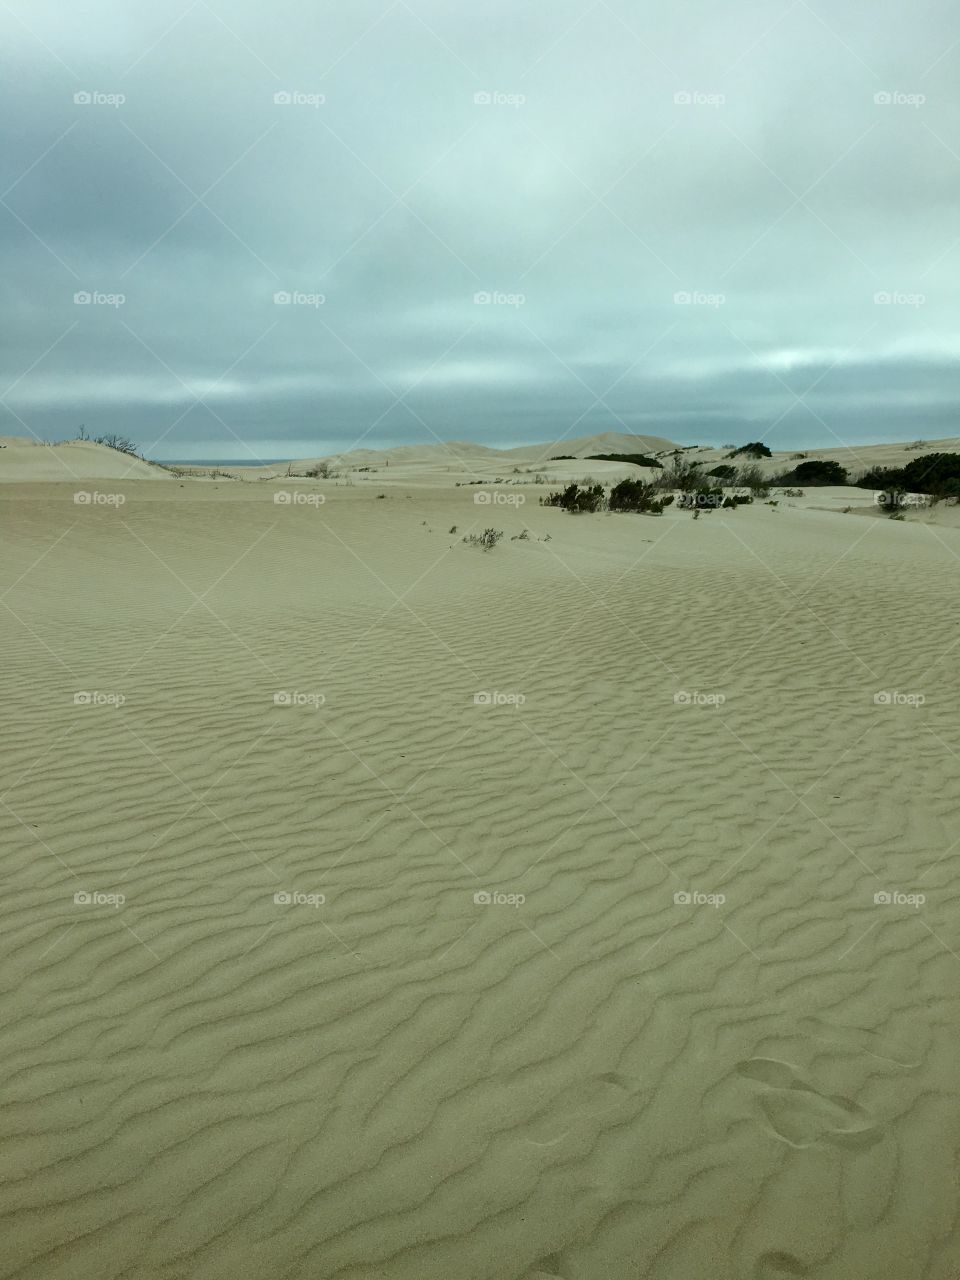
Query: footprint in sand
[(800, 1114), (586, 1100)]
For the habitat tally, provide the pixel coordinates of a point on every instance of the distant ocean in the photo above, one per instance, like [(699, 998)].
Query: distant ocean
[(220, 462)]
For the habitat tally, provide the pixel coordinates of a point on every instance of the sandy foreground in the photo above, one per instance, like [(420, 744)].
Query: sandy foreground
[(502, 1046)]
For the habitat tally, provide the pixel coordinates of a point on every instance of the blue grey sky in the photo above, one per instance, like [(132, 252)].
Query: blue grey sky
[(287, 229)]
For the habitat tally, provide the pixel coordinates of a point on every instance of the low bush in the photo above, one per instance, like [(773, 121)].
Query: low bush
[(723, 472), (755, 449), (635, 495), (576, 499), (638, 459), (815, 472)]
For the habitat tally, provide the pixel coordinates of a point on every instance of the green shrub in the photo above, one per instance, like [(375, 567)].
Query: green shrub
[(815, 472), (755, 449), (638, 459), (575, 500), (723, 472), (635, 495)]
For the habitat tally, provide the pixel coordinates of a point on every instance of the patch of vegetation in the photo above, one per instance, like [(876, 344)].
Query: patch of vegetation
[(486, 540), (937, 474), (121, 443), (724, 472), (576, 499), (755, 449), (635, 495), (638, 459), (815, 472), (683, 474), (563, 457), (753, 478), (702, 499)]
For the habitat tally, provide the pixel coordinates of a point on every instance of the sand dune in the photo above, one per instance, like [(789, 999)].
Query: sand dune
[(405, 1082), (77, 460)]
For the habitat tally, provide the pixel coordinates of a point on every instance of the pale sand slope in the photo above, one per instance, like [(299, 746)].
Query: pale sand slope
[(75, 460), (596, 1085)]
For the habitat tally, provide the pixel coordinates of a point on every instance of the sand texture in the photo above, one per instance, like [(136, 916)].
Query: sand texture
[(596, 1082)]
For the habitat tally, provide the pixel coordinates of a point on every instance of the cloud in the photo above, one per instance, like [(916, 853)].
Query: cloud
[(777, 172)]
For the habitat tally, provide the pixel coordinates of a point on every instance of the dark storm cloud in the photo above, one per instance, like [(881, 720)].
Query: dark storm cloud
[(683, 219)]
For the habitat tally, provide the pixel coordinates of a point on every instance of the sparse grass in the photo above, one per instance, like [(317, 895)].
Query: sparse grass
[(486, 540)]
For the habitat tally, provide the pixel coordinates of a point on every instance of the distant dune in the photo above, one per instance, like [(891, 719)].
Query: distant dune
[(437, 463)]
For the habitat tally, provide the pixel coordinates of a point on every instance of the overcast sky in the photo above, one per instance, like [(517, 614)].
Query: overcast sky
[(584, 167)]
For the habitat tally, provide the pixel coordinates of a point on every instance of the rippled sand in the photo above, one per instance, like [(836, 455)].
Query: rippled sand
[(583, 1077)]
